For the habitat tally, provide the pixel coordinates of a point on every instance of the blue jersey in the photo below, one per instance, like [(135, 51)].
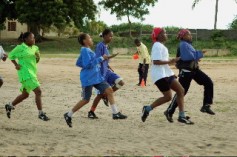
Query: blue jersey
[(188, 53), (100, 50), (90, 73)]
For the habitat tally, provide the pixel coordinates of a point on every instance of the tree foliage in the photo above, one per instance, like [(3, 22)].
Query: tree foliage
[(80, 11), (195, 2), (43, 14), (128, 8), (94, 27), (135, 27), (233, 25), (7, 10)]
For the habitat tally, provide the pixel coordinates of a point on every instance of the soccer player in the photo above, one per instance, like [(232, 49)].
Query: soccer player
[(163, 77), (114, 80), (27, 56), (188, 71), (90, 77)]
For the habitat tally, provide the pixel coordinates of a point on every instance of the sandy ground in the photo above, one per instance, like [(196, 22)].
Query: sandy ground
[(25, 135)]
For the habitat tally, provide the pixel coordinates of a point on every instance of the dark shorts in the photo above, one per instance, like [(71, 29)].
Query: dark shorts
[(164, 83), (87, 91), (111, 77)]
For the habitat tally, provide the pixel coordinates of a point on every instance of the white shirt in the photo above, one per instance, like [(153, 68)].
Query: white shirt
[(160, 52), (1, 52)]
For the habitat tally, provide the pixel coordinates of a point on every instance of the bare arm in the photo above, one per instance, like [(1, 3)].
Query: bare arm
[(112, 56), (110, 68), (4, 58), (37, 56), (17, 66), (144, 61), (171, 61), (136, 52)]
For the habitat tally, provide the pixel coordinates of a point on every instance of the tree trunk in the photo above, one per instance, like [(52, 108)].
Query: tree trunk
[(216, 12), (35, 29), (130, 24)]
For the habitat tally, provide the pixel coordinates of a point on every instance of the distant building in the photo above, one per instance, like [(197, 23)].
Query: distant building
[(13, 29)]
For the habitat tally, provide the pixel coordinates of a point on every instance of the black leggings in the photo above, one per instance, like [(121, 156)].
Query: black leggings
[(201, 78), (142, 75)]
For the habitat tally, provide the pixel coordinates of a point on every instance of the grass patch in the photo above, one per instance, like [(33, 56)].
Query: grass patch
[(71, 45)]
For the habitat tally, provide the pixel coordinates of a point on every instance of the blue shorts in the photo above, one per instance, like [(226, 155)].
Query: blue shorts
[(111, 77), (87, 91)]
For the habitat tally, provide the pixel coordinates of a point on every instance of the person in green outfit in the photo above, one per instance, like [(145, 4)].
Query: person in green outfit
[(28, 56)]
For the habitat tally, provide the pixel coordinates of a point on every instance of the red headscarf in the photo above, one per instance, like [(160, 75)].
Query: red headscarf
[(182, 33), (156, 31)]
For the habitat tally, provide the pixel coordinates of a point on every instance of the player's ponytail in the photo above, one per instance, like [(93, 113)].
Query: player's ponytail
[(81, 38), (106, 32), (26, 35)]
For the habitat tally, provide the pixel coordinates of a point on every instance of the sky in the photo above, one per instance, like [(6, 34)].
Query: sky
[(179, 13)]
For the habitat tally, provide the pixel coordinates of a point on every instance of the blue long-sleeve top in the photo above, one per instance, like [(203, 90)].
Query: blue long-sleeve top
[(188, 53), (100, 50), (90, 73)]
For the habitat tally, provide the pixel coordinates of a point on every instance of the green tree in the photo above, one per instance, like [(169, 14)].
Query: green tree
[(94, 27), (42, 14), (195, 2), (7, 10), (233, 25), (128, 8), (38, 14), (138, 28), (79, 11)]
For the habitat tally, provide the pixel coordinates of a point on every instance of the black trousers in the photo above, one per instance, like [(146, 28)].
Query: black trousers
[(143, 74), (201, 78)]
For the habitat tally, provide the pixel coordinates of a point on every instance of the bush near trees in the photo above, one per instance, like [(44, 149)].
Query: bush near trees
[(233, 25), (135, 27)]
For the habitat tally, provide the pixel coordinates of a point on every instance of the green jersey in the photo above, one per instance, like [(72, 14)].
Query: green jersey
[(26, 56)]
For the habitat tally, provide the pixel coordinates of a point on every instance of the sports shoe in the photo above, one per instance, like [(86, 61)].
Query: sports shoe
[(185, 120), (9, 108), (92, 115), (68, 120), (168, 116), (106, 101), (119, 116), (145, 113), (43, 117), (207, 109)]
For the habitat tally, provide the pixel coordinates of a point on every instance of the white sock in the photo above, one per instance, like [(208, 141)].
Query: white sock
[(114, 109), (70, 113), (11, 105), (40, 112)]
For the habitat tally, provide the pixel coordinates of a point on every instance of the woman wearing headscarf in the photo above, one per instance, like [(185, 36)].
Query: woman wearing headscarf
[(189, 70), (163, 77)]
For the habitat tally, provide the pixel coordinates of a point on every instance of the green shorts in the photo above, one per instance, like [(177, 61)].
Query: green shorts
[(29, 85)]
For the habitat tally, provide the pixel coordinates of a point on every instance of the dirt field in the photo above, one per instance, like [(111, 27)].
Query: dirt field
[(25, 135)]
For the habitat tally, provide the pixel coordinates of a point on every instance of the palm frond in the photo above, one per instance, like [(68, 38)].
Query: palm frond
[(195, 2)]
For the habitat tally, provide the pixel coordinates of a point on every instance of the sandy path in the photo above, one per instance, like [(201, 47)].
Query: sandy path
[(24, 134)]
